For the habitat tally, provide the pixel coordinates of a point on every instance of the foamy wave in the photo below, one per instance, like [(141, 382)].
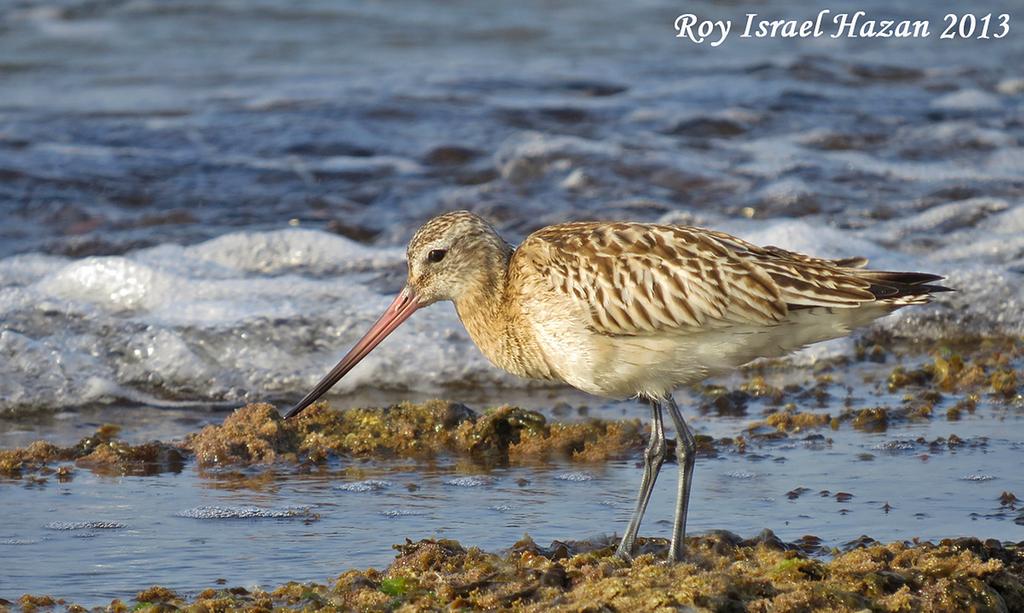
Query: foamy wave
[(252, 315), (236, 318)]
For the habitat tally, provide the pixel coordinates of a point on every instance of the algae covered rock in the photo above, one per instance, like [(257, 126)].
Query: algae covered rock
[(102, 452), (253, 434), (256, 434), (722, 572)]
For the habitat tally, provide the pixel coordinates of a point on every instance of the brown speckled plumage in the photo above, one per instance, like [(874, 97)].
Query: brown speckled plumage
[(583, 288), (630, 309)]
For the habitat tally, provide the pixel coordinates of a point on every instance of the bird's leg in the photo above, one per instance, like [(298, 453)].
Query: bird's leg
[(686, 449), (654, 457)]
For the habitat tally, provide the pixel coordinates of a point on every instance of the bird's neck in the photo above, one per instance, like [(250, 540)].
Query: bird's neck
[(482, 303), (490, 314)]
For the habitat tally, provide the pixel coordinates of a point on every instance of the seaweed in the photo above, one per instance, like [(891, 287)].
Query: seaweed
[(722, 572)]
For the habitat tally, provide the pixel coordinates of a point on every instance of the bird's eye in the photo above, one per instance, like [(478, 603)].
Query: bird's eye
[(436, 255)]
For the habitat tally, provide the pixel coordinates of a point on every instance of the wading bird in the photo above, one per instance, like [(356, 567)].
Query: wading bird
[(624, 310)]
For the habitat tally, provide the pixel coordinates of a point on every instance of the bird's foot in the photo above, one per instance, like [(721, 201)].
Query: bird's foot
[(623, 554), (676, 553)]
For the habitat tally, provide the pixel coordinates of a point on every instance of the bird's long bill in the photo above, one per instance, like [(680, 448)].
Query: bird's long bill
[(399, 310)]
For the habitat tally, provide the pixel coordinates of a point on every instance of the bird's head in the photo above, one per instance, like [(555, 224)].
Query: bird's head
[(451, 256)]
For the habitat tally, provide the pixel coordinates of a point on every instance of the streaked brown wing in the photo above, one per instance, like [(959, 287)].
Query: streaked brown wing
[(641, 278)]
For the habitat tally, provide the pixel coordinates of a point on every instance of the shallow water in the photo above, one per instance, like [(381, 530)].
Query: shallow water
[(100, 537), (205, 204)]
